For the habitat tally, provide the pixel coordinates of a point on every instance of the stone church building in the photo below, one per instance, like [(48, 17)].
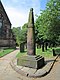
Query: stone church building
[(6, 35)]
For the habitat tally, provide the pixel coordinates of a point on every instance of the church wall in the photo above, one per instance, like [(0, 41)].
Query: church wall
[(7, 43), (6, 35)]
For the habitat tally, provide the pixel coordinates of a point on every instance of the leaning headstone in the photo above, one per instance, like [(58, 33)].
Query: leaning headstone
[(31, 60), (43, 46), (21, 47), (46, 45), (53, 52)]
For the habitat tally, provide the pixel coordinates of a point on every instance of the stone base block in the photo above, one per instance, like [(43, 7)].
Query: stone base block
[(31, 61)]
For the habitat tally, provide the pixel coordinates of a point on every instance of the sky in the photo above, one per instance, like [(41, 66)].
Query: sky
[(18, 10)]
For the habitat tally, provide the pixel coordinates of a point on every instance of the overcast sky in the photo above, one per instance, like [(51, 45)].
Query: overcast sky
[(18, 10)]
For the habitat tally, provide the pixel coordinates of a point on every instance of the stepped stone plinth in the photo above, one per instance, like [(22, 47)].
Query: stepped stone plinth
[(31, 61)]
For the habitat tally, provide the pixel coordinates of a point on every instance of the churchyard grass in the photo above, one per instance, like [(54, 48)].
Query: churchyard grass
[(3, 52), (57, 50), (46, 54), (21, 54)]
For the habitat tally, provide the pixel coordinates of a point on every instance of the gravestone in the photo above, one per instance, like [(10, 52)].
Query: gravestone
[(31, 60), (53, 52), (22, 47)]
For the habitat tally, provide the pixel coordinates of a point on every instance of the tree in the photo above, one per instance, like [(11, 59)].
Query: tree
[(20, 34), (23, 33), (16, 32), (48, 23), (53, 9)]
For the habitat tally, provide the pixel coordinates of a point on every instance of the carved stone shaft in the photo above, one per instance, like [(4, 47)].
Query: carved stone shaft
[(31, 34)]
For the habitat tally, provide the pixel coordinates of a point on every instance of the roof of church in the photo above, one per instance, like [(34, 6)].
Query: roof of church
[(4, 11)]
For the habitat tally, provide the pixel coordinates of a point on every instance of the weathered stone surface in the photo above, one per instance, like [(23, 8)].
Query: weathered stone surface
[(7, 43), (38, 73), (31, 34), (31, 61), (7, 38)]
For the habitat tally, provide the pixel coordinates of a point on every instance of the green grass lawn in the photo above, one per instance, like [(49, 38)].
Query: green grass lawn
[(46, 54), (57, 50), (3, 52)]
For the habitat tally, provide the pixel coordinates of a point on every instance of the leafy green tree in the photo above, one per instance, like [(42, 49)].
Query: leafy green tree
[(16, 32), (20, 34), (53, 10), (23, 33), (48, 23)]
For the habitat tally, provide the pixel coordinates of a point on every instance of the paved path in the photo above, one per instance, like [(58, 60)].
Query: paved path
[(7, 73)]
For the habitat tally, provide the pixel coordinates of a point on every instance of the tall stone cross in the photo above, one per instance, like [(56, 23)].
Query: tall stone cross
[(31, 34), (31, 60)]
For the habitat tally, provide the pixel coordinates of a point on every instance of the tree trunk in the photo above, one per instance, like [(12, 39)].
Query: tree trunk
[(46, 44), (40, 45), (53, 44), (49, 45), (43, 46)]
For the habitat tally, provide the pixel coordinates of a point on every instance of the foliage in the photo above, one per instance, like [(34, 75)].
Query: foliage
[(53, 19), (23, 33), (20, 34), (16, 32), (48, 23)]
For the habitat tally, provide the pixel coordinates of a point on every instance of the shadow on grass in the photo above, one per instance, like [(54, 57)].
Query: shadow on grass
[(23, 52)]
